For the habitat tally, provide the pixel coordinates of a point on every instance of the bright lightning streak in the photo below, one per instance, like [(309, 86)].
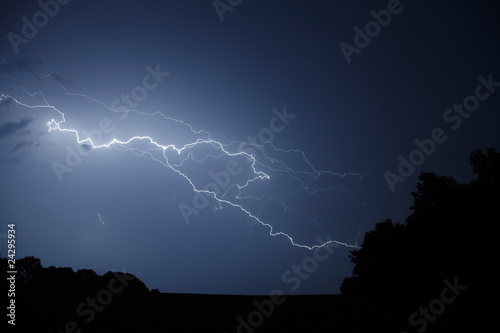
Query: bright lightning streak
[(58, 125)]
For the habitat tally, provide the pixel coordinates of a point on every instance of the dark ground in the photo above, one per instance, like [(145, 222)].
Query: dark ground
[(49, 310)]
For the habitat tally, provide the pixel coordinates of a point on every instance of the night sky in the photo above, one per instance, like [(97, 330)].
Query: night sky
[(297, 115)]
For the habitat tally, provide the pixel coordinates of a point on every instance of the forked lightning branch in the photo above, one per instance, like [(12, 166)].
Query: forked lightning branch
[(165, 152)]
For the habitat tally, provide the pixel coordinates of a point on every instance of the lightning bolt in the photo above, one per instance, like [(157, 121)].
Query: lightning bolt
[(170, 152)]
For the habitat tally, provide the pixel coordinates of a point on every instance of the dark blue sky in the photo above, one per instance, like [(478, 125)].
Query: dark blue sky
[(337, 122)]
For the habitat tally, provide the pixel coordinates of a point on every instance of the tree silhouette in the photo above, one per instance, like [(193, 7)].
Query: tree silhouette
[(447, 235), (31, 273), (379, 262), (88, 279), (30, 270), (486, 167)]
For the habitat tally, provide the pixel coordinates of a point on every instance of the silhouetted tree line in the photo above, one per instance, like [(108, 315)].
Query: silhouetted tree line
[(31, 273), (450, 233)]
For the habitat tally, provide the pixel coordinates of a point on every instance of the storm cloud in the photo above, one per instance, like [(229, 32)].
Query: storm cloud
[(12, 127)]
